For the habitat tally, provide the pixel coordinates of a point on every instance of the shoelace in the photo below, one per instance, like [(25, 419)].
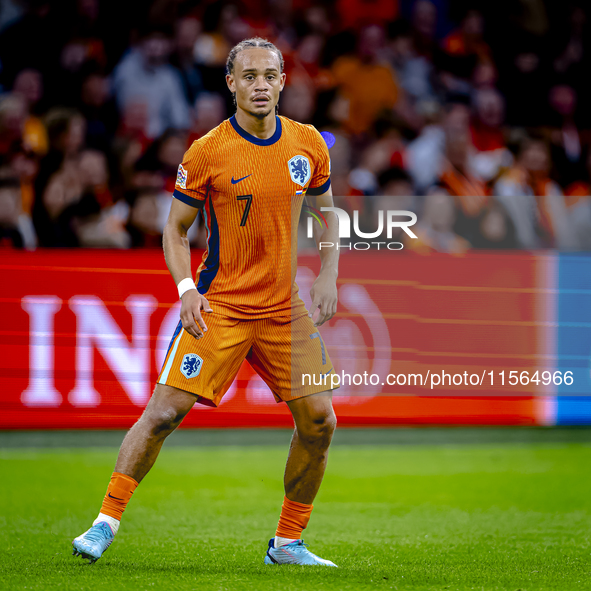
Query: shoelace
[(97, 533), (293, 546)]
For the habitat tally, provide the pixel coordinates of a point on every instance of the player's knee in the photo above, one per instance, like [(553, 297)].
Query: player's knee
[(319, 430), (164, 421), (330, 423)]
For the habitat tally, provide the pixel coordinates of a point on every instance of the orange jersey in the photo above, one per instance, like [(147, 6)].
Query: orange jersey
[(251, 192)]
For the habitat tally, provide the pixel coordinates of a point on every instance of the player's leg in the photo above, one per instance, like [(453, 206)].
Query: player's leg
[(163, 414), (285, 349), (315, 423), (139, 450), (193, 371)]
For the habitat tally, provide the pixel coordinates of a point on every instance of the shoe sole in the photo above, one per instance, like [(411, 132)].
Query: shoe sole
[(84, 555), (269, 560)]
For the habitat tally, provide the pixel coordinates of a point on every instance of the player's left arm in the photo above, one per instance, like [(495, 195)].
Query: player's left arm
[(324, 290)]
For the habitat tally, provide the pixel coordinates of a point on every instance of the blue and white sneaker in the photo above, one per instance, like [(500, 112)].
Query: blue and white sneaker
[(92, 543), (295, 553)]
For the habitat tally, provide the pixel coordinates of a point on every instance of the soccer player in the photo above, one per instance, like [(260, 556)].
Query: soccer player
[(248, 177)]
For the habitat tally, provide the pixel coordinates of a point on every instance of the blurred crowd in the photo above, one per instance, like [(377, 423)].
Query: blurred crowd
[(472, 114)]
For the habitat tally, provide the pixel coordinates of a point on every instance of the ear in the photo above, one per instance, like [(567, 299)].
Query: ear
[(282, 77), (230, 82)]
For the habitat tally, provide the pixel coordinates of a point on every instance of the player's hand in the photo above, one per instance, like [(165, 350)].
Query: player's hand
[(324, 300), (192, 303)]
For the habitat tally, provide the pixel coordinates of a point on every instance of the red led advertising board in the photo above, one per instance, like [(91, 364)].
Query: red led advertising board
[(84, 334)]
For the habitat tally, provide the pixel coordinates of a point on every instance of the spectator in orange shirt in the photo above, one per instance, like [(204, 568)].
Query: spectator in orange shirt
[(367, 84)]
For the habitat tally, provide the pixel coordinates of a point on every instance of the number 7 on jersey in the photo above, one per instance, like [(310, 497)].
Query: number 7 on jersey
[(248, 199)]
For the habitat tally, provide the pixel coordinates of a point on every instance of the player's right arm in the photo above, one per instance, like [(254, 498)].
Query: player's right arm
[(178, 259), (189, 196)]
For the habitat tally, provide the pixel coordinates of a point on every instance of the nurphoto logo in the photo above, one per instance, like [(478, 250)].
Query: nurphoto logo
[(391, 219)]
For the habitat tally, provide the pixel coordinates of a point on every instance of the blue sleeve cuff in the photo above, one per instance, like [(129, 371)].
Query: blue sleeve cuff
[(198, 203), (319, 190)]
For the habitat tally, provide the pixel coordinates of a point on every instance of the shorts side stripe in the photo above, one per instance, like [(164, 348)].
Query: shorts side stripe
[(178, 329), (166, 370)]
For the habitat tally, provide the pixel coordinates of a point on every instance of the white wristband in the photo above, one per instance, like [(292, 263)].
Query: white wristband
[(185, 285)]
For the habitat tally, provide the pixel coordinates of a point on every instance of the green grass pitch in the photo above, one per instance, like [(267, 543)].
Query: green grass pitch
[(509, 514)]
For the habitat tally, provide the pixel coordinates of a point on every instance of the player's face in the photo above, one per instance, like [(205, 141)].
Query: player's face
[(257, 81)]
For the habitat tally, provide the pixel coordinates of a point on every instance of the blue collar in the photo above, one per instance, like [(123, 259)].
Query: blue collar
[(255, 140)]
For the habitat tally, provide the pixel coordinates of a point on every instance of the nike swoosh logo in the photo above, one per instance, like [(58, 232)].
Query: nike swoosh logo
[(112, 497), (325, 374), (234, 181)]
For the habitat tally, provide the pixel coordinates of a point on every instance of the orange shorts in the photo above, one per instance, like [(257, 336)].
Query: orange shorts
[(281, 349)]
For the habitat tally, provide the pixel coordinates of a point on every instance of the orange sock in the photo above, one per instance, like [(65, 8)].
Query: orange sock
[(118, 494), (293, 520)]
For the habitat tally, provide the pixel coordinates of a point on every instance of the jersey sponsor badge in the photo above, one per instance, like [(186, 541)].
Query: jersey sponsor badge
[(299, 170), (191, 365), (181, 177)]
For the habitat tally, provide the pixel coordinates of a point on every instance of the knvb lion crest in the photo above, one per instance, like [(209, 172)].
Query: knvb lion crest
[(299, 170), (191, 365)]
